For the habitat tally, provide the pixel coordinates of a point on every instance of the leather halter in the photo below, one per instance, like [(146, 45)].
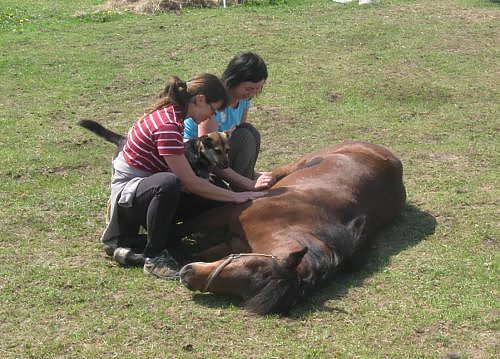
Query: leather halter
[(228, 260)]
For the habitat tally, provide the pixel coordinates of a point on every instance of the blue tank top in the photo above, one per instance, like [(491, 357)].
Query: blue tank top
[(230, 117)]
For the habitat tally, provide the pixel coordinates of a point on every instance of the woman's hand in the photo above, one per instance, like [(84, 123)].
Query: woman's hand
[(210, 125), (265, 180)]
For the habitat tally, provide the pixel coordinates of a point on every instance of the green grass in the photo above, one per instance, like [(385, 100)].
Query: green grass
[(418, 77)]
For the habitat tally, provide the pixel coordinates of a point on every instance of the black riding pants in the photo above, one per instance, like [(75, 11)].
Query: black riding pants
[(244, 149), (158, 203)]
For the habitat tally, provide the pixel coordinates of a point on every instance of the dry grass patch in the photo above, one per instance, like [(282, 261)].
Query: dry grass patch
[(154, 6)]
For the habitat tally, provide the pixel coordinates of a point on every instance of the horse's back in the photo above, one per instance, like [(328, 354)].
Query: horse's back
[(347, 162), (369, 150)]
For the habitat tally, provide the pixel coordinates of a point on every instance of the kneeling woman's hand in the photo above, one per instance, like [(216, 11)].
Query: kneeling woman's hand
[(265, 180)]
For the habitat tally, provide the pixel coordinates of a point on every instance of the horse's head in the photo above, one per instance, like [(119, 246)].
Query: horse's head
[(266, 283)]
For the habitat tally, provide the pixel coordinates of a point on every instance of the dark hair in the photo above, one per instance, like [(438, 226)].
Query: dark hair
[(179, 92), (247, 66)]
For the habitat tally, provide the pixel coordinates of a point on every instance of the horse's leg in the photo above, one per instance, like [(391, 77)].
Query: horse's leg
[(234, 245), (213, 253), (285, 170)]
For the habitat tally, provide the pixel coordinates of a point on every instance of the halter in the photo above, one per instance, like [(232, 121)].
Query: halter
[(228, 260)]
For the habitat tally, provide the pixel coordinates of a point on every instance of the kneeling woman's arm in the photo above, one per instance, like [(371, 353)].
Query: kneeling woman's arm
[(179, 166), (263, 181)]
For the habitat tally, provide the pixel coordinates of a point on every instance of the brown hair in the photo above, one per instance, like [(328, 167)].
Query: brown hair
[(180, 93)]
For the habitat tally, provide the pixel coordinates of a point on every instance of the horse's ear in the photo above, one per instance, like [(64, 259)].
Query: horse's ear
[(356, 226), (294, 258)]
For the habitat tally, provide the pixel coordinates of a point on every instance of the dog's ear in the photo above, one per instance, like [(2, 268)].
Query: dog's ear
[(229, 132), (206, 140)]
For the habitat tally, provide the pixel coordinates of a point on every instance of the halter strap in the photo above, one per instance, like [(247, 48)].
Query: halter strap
[(228, 260)]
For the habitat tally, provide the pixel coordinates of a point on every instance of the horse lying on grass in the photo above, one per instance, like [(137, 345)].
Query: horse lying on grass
[(315, 218)]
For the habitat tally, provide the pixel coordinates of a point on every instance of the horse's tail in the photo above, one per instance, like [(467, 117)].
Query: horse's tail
[(103, 132), (357, 226)]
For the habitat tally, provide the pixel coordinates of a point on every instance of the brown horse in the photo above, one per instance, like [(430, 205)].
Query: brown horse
[(313, 220)]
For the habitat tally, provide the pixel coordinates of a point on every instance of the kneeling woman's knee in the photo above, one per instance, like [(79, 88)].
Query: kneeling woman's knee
[(247, 129), (245, 136), (167, 184)]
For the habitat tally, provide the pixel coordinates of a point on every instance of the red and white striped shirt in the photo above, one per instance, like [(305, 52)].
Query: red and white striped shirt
[(155, 135)]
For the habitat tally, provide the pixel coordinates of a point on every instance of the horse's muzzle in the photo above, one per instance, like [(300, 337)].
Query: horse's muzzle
[(185, 274)]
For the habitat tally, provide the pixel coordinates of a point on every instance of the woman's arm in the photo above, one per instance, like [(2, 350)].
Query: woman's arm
[(237, 181), (244, 116), (263, 181), (201, 187), (210, 125)]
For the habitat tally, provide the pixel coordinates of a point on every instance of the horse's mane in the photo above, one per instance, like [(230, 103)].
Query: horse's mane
[(279, 294)]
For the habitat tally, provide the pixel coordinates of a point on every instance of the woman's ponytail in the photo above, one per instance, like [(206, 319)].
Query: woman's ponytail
[(180, 93), (175, 92)]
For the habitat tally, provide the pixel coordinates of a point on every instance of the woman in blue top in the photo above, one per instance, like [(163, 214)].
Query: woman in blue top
[(244, 78)]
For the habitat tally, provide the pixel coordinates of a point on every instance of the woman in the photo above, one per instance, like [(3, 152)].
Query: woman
[(150, 171), (244, 78)]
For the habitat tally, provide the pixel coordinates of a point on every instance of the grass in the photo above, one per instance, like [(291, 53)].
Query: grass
[(418, 77)]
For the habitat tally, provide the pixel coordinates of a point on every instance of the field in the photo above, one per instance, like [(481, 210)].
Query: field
[(419, 77)]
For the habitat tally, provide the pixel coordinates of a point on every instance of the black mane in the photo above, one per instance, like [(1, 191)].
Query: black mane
[(278, 294)]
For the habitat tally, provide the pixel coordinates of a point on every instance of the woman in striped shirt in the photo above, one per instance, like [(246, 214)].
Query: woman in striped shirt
[(151, 170)]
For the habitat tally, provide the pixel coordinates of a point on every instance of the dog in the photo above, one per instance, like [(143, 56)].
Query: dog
[(204, 154)]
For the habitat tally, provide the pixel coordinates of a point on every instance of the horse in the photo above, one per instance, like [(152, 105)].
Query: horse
[(315, 218)]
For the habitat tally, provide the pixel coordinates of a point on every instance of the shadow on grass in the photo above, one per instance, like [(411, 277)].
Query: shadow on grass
[(217, 301), (406, 231)]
